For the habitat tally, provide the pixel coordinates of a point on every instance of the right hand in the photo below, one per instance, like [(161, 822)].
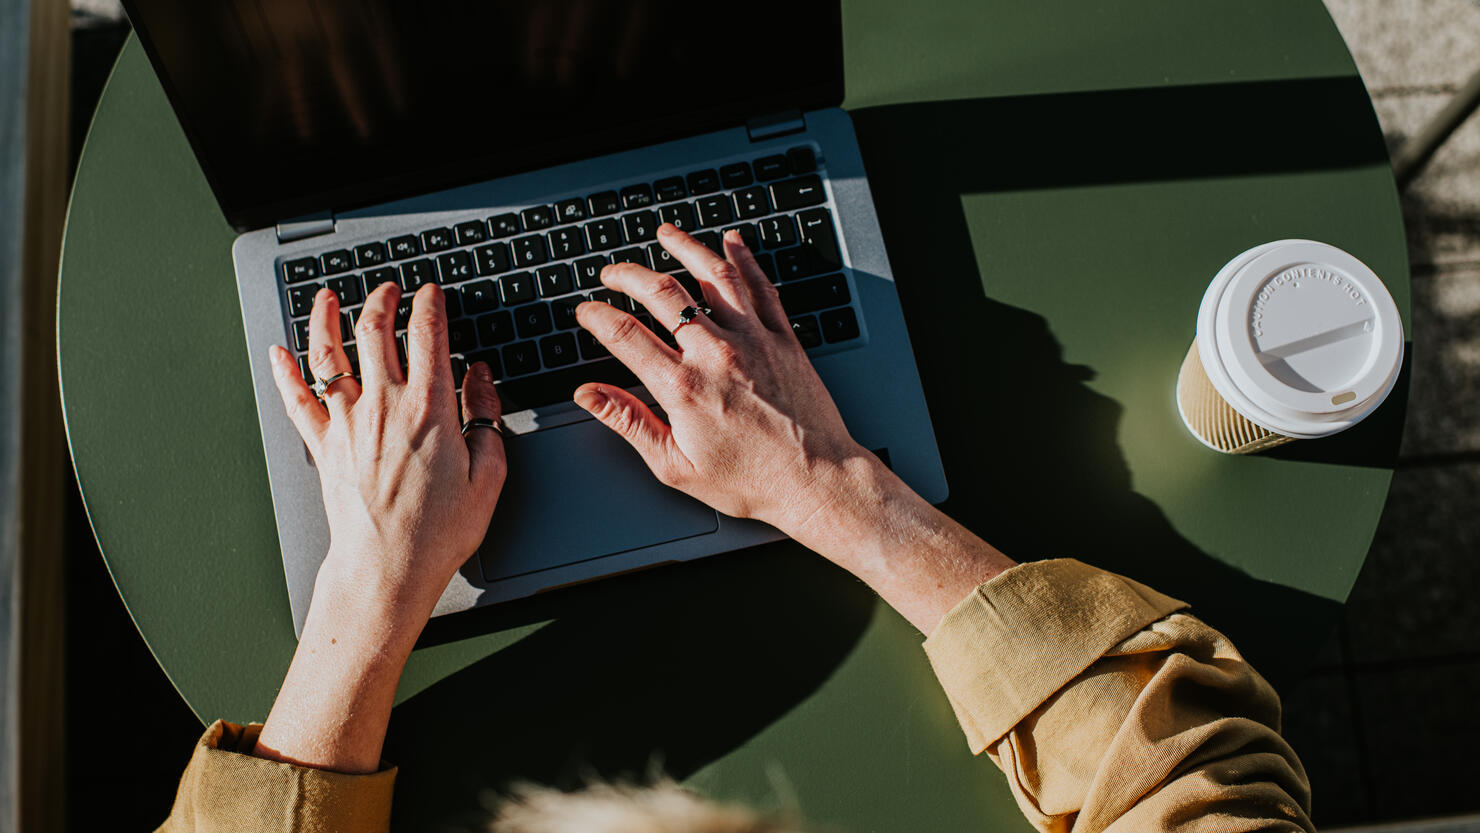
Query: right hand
[(751, 430)]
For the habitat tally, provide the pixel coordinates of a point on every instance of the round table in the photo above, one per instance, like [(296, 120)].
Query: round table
[(1057, 182)]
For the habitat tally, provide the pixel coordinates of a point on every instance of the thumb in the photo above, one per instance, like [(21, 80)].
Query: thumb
[(638, 425), (486, 465)]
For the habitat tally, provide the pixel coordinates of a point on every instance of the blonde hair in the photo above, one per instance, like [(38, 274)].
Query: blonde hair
[(664, 807)]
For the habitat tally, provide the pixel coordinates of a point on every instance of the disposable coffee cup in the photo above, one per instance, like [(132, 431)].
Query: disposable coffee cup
[(1296, 340)]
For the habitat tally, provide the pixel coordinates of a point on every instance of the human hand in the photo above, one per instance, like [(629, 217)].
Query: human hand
[(408, 497), (751, 429)]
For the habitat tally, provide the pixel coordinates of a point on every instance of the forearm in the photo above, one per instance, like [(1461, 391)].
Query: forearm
[(915, 557), (335, 703)]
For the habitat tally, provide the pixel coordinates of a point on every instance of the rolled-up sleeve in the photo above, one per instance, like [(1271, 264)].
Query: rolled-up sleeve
[(1110, 708), (225, 789)]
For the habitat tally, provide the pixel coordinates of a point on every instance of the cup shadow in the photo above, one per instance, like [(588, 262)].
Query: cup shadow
[(681, 665)]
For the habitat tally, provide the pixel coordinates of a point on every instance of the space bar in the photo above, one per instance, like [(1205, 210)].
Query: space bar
[(555, 386)]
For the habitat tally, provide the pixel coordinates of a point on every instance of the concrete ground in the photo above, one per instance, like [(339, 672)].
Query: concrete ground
[(1385, 723)]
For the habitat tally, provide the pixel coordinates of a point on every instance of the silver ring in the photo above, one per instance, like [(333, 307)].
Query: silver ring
[(321, 386), (687, 316), (481, 422)]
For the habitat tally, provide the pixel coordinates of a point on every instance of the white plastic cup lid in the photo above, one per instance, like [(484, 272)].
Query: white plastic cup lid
[(1300, 337)]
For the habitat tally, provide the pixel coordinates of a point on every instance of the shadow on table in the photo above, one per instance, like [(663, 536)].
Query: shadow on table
[(682, 664)]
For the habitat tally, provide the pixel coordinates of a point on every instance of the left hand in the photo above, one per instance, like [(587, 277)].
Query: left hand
[(408, 498)]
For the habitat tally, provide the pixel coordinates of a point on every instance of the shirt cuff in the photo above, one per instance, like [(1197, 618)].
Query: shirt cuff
[(226, 788), (1019, 638)]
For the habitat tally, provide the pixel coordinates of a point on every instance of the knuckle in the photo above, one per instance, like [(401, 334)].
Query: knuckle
[(726, 353), (663, 286), (723, 271), (428, 328), (625, 329), (372, 322), (321, 355)]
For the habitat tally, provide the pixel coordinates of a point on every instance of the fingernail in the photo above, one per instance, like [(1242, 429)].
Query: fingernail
[(592, 399)]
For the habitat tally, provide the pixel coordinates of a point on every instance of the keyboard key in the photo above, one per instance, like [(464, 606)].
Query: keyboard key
[(566, 242), (436, 240), (603, 203), (347, 326), (797, 193), (332, 263), (767, 264), (807, 331), (300, 335), (376, 277), (747, 234), (796, 262), (347, 289), (690, 285), (563, 312), (533, 320), (353, 354), (604, 234), (588, 271), (815, 294), (569, 211), (554, 280), (404, 246), (504, 225), (735, 176), (300, 299), (516, 288), (801, 159), (560, 385), (711, 239), (590, 347), (662, 261), (523, 357), (478, 297), (816, 231), (459, 370), (715, 211), (370, 254), (303, 368), (751, 202), (492, 259), (768, 168), (494, 329), (641, 226), (302, 269), (537, 218), (462, 336), (491, 358), (470, 232), (670, 189), (632, 255), (454, 267), (530, 250), (777, 232), (637, 196), (415, 273), (615, 298), (558, 350), (681, 215), (703, 182), (452, 302), (403, 314), (839, 325)]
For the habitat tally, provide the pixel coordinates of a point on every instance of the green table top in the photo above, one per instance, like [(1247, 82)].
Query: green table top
[(1057, 182)]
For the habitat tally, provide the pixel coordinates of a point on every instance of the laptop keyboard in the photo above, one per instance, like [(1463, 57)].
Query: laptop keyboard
[(513, 281)]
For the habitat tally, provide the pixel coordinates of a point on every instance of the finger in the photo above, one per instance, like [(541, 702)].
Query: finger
[(375, 332), (308, 416), (428, 365), (630, 417), (663, 296), (326, 356), (631, 343), (486, 465), (763, 295), (724, 287)]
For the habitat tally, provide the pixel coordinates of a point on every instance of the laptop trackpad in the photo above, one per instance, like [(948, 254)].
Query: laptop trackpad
[(579, 492)]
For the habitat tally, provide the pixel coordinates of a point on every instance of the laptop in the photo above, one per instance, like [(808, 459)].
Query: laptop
[(507, 150)]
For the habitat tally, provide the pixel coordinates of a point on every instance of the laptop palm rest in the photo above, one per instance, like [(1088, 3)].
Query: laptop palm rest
[(579, 492)]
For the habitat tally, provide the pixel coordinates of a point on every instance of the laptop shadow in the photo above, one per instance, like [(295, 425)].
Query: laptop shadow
[(680, 665)]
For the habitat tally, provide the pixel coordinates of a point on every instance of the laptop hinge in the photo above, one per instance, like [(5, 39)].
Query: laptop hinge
[(775, 124), (304, 227)]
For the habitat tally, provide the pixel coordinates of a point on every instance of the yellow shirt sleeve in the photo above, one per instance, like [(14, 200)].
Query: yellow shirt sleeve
[(1110, 709), (225, 789)]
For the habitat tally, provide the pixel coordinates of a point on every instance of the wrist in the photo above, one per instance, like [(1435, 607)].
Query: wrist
[(853, 493), (389, 611)]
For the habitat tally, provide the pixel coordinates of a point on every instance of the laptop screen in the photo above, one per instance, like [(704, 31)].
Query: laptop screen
[(301, 106)]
